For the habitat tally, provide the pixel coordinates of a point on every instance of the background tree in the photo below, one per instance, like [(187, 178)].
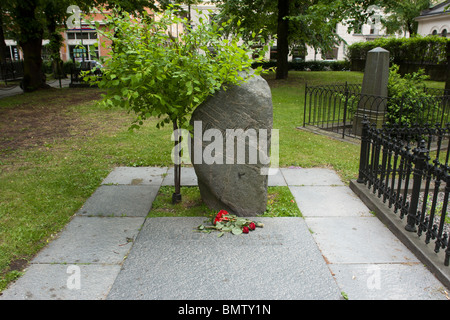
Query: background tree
[(401, 14), (4, 21), (292, 22), (34, 20)]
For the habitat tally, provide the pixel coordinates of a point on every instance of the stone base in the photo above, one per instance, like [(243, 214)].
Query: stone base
[(373, 116)]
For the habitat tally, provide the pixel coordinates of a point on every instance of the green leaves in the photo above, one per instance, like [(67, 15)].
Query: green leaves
[(153, 71), (409, 100)]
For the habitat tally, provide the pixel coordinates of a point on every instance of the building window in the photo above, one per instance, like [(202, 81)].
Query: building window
[(82, 44), (299, 53), (331, 55), (444, 33), (374, 25), (80, 53), (358, 28), (273, 53), (83, 35), (12, 53), (434, 33)]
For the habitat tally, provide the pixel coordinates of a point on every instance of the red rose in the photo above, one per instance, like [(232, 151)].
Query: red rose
[(220, 216), (252, 226), (245, 229)]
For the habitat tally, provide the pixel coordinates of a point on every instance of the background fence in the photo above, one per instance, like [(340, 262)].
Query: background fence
[(335, 108), (11, 71), (11, 76), (408, 169)]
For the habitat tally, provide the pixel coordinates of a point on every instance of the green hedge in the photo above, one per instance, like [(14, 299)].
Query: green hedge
[(416, 50)]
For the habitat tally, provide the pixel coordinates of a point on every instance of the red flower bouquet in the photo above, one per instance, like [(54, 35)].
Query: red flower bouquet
[(225, 222)]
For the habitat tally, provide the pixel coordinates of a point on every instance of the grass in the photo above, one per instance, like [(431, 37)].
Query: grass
[(56, 147), (281, 203)]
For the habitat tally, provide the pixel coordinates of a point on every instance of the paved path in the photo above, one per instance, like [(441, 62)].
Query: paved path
[(110, 250), (17, 90)]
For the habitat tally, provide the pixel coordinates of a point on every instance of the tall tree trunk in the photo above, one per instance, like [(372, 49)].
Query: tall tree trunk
[(3, 47), (282, 40), (33, 77), (31, 33)]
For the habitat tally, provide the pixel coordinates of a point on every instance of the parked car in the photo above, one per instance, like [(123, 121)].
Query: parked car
[(92, 64)]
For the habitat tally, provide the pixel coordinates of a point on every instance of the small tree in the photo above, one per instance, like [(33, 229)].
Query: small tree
[(155, 73), (409, 103)]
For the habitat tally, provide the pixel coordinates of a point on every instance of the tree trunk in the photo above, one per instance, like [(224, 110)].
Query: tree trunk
[(30, 41), (282, 40), (3, 47), (33, 77)]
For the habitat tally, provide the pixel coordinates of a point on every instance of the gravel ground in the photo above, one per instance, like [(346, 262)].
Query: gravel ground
[(437, 217)]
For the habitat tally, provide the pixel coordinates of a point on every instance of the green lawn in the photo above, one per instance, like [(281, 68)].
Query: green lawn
[(57, 146)]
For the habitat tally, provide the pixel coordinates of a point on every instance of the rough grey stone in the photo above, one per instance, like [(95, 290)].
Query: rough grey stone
[(231, 182)]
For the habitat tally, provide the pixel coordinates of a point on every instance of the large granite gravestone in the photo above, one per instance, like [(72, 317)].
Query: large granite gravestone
[(230, 147), (374, 90)]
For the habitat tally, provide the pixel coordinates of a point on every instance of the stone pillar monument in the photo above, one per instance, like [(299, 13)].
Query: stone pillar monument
[(374, 93)]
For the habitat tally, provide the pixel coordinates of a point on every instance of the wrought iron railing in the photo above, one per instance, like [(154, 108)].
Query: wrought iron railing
[(334, 107), (408, 168), (11, 71)]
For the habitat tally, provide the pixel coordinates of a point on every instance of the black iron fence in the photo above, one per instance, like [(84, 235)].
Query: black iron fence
[(408, 168), (11, 76), (76, 74), (341, 108), (11, 71)]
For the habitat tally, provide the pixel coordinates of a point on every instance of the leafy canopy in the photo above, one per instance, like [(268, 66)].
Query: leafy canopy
[(156, 73)]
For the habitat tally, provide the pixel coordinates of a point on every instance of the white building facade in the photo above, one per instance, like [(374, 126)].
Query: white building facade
[(435, 21)]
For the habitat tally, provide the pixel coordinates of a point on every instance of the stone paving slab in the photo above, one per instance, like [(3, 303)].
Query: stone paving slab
[(276, 178), (57, 282), (311, 177), (120, 200), (136, 176), (358, 240), (328, 201), (171, 261), (188, 177), (388, 282), (92, 240)]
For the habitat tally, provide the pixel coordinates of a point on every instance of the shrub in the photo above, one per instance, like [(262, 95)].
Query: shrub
[(418, 49), (409, 103), (318, 65)]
